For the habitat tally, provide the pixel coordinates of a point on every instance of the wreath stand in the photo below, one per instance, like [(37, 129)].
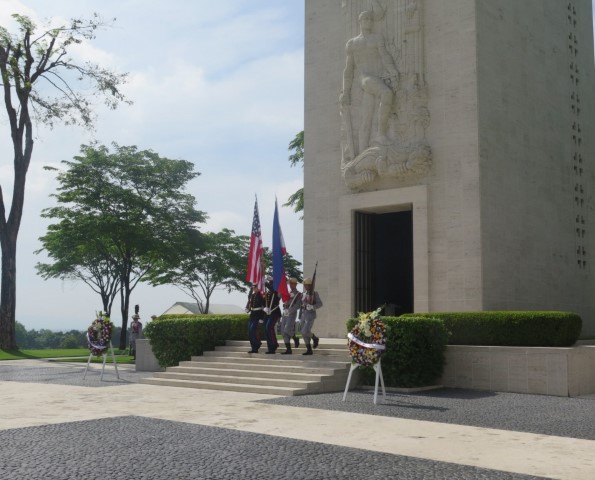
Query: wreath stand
[(378, 369), (104, 355)]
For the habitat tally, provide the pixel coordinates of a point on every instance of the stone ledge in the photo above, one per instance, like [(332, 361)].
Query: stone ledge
[(565, 372), (145, 359)]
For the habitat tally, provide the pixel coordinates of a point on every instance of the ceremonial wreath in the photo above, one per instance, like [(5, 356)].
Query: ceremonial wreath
[(99, 334), (367, 338)]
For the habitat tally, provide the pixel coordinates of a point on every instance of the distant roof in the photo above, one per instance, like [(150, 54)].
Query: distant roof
[(225, 308), (189, 308)]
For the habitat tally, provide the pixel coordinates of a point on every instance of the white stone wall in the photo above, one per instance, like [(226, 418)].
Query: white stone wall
[(563, 372), (454, 197), (492, 221), (528, 206), (324, 62)]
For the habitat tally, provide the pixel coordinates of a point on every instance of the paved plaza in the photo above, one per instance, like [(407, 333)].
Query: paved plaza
[(56, 425)]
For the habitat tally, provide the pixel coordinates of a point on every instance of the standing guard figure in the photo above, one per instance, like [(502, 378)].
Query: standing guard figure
[(290, 311), (136, 331), (255, 307), (310, 303), (272, 315)]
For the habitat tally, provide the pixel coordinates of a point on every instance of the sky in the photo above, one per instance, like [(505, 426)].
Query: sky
[(216, 83)]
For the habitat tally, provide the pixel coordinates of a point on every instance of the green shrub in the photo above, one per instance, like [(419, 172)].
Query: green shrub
[(518, 329), (414, 355), (176, 338)]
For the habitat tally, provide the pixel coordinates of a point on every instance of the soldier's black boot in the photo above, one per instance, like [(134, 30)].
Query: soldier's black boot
[(287, 349), (315, 339), (296, 341), (308, 351)]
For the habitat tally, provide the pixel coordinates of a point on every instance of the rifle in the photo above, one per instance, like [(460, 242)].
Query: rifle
[(313, 283)]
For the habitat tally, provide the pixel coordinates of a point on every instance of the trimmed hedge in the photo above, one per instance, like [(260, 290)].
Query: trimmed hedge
[(414, 355), (176, 338), (514, 329)]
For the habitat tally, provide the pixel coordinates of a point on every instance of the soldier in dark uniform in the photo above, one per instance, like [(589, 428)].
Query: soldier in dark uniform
[(272, 314), (255, 307)]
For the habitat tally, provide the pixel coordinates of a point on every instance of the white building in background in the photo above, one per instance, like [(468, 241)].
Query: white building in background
[(191, 308)]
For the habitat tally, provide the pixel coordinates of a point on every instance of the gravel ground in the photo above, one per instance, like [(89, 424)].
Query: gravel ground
[(560, 416), (144, 448)]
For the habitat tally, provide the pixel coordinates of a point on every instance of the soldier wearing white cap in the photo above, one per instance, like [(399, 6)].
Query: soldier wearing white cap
[(310, 303), (290, 311)]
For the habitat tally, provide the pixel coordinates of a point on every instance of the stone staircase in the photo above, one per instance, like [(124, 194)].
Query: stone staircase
[(232, 368)]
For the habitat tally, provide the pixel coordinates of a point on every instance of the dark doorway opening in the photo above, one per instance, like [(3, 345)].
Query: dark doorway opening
[(384, 262)]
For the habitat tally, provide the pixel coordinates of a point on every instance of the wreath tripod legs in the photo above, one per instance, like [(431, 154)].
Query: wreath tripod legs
[(378, 369)]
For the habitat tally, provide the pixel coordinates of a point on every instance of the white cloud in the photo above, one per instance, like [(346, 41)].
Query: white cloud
[(220, 84)]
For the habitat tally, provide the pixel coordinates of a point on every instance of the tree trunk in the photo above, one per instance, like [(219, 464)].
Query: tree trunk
[(124, 306), (8, 294)]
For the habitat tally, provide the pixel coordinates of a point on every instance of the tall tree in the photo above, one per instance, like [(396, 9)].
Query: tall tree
[(39, 82), (214, 260), (129, 207), (80, 255), (296, 199)]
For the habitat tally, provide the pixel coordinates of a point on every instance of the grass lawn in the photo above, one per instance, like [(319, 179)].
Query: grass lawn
[(63, 355)]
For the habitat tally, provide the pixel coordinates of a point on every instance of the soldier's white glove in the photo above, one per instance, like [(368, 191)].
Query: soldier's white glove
[(309, 307), (267, 310)]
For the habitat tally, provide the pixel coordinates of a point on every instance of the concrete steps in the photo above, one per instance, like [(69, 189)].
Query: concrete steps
[(232, 368)]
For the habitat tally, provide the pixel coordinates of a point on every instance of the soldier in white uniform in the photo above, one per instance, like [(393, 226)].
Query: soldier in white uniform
[(290, 311), (310, 303)]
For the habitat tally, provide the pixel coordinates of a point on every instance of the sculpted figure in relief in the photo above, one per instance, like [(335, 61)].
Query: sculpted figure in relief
[(373, 67), (383, 135)]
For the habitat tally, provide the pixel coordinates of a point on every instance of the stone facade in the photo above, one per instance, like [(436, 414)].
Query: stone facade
[(563, 372), (503, 97)]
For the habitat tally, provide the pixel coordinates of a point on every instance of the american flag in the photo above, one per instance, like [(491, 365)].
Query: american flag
[(255, 272)]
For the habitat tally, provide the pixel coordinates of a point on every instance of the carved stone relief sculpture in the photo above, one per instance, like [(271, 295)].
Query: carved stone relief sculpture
[(383, 105)]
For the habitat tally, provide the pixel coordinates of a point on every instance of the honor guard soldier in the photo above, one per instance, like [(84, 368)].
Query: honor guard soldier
[(290, 311), (255, 307), (310, 303), (272, 314)]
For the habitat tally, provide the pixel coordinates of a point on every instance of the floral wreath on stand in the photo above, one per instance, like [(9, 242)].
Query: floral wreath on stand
[(367, 338), (99, 334)]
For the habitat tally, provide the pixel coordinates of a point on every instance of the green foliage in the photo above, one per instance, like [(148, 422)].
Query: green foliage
[(502, 328), (297, 145), (176, 338), (47, 353), (209, 261), (296, 199), (42, 84), (70, 341), (120, 213), (45, 339), (291, 265), (35, 63), (414, 354)]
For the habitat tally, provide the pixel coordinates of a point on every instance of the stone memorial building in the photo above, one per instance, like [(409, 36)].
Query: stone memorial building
[(449, 156)]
